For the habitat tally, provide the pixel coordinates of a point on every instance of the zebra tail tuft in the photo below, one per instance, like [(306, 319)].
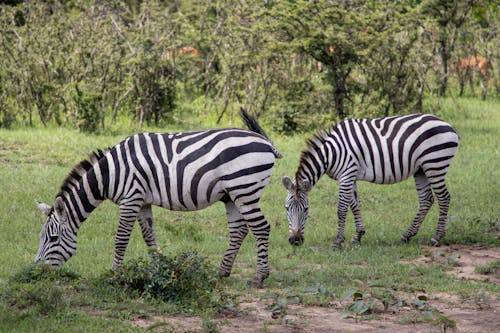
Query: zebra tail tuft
[(254, 126)]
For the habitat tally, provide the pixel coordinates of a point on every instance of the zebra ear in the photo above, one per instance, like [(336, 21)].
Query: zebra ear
[(60, 209), (304, 185), (44, 208), (287, 182)]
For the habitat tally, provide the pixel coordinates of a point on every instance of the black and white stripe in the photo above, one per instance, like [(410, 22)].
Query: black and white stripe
[(178, 171), (383, 151)]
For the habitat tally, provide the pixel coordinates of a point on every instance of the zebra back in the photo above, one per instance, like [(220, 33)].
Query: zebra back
[(252, 124)]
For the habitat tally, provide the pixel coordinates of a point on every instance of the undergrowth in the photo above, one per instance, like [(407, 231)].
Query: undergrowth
[(183, 282), (186, 279)]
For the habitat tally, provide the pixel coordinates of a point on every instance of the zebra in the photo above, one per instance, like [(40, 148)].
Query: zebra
[(183, 171), (382, 151)]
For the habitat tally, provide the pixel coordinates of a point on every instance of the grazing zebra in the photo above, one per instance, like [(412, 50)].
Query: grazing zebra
[(383, 151), (179, 171)]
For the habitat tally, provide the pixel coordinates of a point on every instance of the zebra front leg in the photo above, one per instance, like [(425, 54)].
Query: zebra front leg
[(345, 195), (356, 210), (238, 230), (425, 200), (128, 215)]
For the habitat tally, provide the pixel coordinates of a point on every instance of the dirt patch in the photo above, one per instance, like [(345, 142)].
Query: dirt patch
[(464, 259), (480, 313), (255, 317)]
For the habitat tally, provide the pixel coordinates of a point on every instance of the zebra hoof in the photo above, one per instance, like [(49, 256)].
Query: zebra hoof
[(355, 241), (258, 280), (337, 246), (405, 239), (434, 242), (224, 274)]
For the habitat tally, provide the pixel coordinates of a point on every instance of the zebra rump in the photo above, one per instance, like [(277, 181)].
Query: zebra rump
[(183, 171), (383, 151)]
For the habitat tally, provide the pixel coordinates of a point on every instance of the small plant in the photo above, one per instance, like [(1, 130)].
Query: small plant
[(492, 268), (359, 306), (279, 302), (186, 279)]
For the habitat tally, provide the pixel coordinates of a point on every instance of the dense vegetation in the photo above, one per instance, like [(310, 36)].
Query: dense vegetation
[(95, 64)]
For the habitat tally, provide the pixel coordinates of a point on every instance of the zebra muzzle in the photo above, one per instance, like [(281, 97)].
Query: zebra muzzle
[(296, 239)]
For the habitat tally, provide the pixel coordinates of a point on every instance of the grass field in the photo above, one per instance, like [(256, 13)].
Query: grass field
[(33, 164)]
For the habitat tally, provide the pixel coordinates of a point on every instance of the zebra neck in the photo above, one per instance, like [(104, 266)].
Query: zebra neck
[(310, 173), (82, 198), (78, 206)]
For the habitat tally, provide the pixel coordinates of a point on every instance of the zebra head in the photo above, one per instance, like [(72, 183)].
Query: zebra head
[(297, 208), (57, 240)]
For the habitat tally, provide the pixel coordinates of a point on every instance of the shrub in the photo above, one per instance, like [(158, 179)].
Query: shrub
[(185, 279)]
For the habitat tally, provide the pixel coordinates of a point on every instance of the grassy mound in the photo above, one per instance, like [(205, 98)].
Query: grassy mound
[(43, 272)]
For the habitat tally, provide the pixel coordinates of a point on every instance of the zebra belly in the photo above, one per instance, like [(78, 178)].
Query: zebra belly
[(186, 205), (369, 174)]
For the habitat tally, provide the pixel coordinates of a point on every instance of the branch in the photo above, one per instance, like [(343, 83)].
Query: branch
[(132, 50)]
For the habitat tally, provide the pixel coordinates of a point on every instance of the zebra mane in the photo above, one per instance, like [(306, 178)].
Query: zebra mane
[(81, 169), (316, 140)]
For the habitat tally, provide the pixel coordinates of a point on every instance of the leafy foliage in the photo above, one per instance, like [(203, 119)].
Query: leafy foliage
[(299, 63), (185, 278)]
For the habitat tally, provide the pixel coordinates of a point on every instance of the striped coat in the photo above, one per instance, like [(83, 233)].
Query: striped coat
[(383, 151), (178, 171)]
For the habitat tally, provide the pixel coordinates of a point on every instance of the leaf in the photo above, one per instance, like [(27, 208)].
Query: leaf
[(269, 295), (347, 294), (357, 296)]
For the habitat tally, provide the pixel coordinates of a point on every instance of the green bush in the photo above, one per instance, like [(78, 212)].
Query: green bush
[(184, 279)]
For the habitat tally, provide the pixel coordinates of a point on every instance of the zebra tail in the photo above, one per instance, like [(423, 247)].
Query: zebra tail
[(254, 126)]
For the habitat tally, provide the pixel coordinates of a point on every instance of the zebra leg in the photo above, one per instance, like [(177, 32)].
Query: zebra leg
[(443, 197), (345, 195), (356, 210), (145, 219), (261, 229), (237, 231), (128, 215), (425, 200)]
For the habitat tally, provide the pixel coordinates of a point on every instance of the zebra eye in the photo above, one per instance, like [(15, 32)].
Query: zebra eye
[(53, 238)]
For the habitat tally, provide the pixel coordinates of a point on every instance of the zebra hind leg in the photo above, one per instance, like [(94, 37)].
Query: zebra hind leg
[(426, 200), (443, 197), (145, 219), (356, 210), (238, 230)]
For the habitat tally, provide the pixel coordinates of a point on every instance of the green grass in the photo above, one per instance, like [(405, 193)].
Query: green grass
[(33, 164)]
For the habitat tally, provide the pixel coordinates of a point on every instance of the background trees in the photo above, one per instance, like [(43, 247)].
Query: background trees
[(92, 64)]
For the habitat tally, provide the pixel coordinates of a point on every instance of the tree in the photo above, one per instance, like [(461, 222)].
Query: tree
[(447, 16)]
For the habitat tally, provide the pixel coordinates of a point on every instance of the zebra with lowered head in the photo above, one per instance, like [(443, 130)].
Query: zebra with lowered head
[(179, 171), (383, 151)]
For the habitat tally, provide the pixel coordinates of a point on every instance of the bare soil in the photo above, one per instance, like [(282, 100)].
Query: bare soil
[(479, 314)]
